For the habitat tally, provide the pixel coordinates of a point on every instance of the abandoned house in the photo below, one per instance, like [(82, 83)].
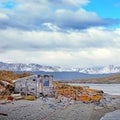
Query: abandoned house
[(34, 85)]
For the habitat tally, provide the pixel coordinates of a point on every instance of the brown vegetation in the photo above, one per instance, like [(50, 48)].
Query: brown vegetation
[(10, 75), (78, 92)]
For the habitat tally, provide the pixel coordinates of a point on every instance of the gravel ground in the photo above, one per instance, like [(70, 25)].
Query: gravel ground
[(74, 112), (26, 110), (55, 110)]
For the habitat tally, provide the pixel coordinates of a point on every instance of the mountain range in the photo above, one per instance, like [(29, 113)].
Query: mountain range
[(38, 67)]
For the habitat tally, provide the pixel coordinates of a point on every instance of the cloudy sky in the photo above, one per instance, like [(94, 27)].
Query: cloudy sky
[(74, 33)]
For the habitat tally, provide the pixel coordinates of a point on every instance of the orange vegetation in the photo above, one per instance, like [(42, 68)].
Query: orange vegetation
[(78, 92)]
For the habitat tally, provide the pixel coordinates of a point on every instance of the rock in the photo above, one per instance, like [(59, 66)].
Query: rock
[(98, 107), (115, 115)]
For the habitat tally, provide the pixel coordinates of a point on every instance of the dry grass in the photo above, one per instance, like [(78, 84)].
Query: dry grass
[(9, 75), (30, 97)]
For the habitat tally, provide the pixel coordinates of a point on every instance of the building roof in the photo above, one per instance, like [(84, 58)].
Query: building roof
[(19, 79), (32, 76)]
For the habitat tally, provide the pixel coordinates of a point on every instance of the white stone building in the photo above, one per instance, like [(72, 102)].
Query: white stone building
[(34, 85)]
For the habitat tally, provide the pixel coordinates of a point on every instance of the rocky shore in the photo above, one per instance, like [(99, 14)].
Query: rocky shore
[(58, 109)]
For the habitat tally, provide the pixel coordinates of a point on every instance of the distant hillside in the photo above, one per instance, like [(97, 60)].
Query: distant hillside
[(105, 80), (37, 67), (9, 75)]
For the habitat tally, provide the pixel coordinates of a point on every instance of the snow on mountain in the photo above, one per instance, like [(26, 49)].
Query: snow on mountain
[(101, 70), (37, 67)]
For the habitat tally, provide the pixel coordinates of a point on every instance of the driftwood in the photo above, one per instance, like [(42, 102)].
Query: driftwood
[(3, 114)]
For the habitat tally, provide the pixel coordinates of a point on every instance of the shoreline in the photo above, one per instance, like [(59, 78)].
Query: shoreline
[(52, 109)]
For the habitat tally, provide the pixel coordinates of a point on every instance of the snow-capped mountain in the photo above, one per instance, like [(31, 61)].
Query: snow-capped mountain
[(38, 67), (25, 67), (101, 70)]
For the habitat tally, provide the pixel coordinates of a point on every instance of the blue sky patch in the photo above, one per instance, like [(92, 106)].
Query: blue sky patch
[(8, 4), (105, 8)]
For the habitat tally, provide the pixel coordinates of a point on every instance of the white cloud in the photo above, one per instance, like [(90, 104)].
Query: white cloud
[(76, 2), (79, 19), (82, 2), (64, 14), (94, 46), (51, 27), (52, 32), (3, 16), (94, 57), (77, 40)]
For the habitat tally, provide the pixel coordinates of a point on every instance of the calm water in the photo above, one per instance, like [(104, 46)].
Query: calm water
[(113, 89)]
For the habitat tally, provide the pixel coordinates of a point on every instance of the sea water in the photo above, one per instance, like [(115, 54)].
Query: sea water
[(112, 89)]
